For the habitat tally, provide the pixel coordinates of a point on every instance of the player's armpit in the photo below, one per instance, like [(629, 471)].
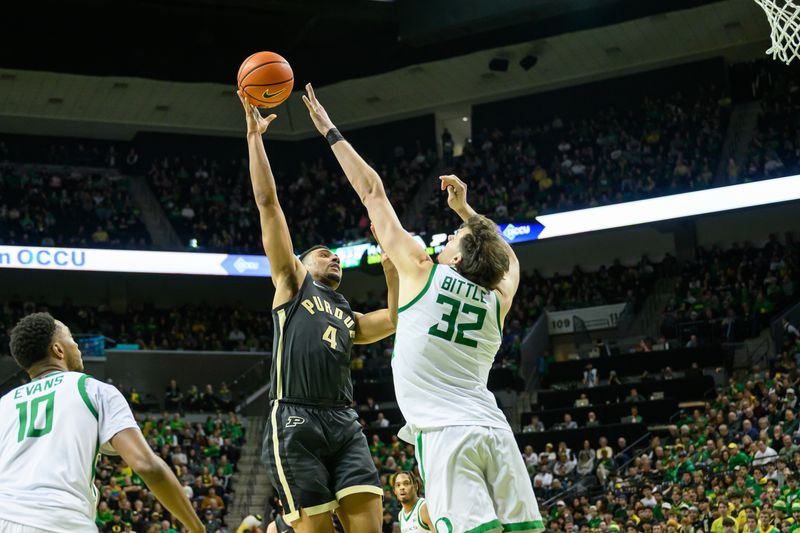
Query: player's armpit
[(374, 326)]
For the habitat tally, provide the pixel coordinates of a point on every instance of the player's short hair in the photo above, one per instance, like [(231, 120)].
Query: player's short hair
[(411, 476), (303, 255), (31, 338), (484, 256)]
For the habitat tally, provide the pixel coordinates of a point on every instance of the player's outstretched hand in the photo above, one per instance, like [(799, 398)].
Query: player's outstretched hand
[(319, 116), (255, 122), (456, 192)]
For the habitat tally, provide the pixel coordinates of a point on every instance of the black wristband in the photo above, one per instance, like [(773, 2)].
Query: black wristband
[(333, 136)]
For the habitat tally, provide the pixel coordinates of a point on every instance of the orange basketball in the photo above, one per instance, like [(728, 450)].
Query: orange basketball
[(265, 79)]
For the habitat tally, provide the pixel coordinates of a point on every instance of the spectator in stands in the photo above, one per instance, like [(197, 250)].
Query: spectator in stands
[(568, 423), (790, 402), (531, 458), (764, 454), (564, 466), (548, 456), (173, 398), (634, 396), (208, 400), (591, 420), (380, 421), (590, 376), (613, 379), (586, 459), (604, 448), (634, 417), (543, 479), (583, 401), (534, 426), (605, 464)]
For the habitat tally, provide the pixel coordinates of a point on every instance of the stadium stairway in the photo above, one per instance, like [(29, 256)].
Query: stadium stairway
[(252, 486), (754, 352), (648, 321), (741, 128), (155, 220)]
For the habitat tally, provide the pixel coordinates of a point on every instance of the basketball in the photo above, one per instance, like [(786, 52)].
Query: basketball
[(265, 79)]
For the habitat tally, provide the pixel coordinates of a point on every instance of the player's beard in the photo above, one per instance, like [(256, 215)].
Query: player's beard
[(335, 277)]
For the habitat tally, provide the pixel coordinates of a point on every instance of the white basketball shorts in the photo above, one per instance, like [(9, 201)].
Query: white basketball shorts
[(476, 481)]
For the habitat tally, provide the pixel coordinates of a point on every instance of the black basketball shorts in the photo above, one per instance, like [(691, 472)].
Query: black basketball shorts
[(316, 456)]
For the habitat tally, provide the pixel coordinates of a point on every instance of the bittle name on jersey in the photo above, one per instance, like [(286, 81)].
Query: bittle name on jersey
[(316, 304), (38, 386), (465, 289)]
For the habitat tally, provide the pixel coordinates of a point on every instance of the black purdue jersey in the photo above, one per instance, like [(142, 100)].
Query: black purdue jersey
[(314, 334)]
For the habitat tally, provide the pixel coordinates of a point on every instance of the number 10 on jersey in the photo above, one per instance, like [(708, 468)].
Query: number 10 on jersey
[(29, 412)]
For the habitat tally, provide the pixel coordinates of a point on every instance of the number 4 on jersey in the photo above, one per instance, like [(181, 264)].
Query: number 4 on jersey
[(330, 336), (450, 319)]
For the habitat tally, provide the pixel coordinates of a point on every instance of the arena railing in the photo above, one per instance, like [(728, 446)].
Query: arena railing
[(577, 486)]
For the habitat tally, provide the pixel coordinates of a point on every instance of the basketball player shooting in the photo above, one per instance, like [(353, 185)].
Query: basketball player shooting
[(317, 456), (448, 333)]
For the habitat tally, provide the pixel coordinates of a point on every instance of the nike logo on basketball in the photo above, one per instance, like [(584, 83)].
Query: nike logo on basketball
[(293, 421), (273, 95)]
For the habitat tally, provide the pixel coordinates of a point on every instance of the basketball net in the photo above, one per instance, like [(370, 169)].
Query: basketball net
[(784, 19)]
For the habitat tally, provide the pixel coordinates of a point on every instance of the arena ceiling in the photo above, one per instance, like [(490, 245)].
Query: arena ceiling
[(327, 40), (79, 94)]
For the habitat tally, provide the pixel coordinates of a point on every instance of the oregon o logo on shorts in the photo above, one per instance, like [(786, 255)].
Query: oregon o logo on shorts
[(446, 521), (293, 421)]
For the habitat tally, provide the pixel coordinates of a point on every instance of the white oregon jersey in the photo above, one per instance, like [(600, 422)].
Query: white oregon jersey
[(51, 431), (411, 522), (447, 338)]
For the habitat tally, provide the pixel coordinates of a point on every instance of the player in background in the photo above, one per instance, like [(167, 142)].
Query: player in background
[(448, 333), (414, 517), (315, 451), (51, 431)]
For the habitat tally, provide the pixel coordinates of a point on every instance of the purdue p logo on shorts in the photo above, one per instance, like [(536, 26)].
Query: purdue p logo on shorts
[(293, 421)]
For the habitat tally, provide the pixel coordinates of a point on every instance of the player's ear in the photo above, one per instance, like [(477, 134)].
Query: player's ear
[(57, 351), (456, 259)]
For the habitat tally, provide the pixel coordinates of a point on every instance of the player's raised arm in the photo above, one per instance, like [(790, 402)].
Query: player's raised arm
[(457, 200), (408, 256), (377, 325), (135, 451), (287, 270)]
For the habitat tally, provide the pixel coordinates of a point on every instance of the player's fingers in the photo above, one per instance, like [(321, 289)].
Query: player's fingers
[(242, 100), (308, 104), (447, 181), (270, 118), (311, 93)]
